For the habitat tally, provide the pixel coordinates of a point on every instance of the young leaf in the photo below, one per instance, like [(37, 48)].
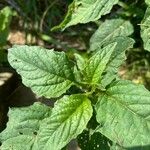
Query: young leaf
[(23, 127), (46, 72), (97, 64), (80, 61), (80, 67), (145, 30), (68, 119), (114, 30), (109, 30), (83, 11), (123, 113), (117, 58)]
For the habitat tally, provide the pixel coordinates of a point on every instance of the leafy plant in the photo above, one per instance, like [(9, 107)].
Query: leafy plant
[(145, 29), (91, 98), (5, 18)]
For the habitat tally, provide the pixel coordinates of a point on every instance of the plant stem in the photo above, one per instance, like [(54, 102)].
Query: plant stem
[(44, 14)]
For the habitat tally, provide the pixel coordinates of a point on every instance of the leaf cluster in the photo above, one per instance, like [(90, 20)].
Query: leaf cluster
[(119, 108)]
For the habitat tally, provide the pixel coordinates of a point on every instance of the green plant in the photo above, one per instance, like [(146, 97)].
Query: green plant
[(93, 104), (5, 19)]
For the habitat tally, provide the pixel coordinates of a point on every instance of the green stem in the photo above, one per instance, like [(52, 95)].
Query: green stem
[(44, 14)]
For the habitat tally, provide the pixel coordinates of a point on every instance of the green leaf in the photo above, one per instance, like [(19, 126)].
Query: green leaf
[(46, 72), (114, 30), (84, 11), (117, 147), (117, 58), (109, 30), (23, 127), (80, 61), (79, 68), (68, 119), (97, 64), (145, 30), (5, 18), (147, 2), (123, 112)]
